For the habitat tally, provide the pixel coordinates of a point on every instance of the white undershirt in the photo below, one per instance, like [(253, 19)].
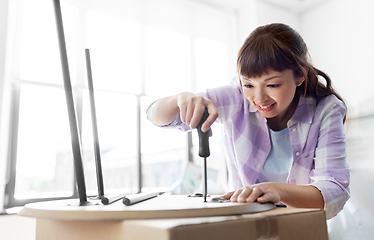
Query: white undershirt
[(277, 164)]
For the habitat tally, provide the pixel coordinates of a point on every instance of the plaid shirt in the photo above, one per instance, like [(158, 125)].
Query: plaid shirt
[(316, 135)]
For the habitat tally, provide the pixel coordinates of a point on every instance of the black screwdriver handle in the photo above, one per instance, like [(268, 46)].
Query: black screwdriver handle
[(203, 137)]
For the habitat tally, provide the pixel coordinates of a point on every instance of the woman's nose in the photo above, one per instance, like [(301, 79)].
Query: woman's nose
[(260, 95)]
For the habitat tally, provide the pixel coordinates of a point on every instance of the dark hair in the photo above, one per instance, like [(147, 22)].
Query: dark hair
[(279, 47)]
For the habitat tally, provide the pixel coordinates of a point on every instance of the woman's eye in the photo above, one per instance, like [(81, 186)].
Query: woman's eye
[(273, 85), (248, 86)]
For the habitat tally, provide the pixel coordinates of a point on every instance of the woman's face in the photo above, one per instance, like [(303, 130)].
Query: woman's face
[(272, 93)]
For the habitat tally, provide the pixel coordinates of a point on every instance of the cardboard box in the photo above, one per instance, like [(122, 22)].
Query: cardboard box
[(279, 223)]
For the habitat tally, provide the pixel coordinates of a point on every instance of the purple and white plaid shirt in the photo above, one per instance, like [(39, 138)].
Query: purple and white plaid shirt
[(317, 140)]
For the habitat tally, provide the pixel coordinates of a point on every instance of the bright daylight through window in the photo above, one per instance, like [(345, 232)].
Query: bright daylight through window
[(140, 51)]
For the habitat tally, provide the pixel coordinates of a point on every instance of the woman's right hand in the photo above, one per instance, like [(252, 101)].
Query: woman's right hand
[(191, 108)]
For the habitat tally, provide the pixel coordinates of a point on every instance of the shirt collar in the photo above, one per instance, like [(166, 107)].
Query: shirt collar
[(304, 111)]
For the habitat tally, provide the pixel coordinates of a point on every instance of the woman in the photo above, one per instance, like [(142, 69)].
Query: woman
[(283, 128)]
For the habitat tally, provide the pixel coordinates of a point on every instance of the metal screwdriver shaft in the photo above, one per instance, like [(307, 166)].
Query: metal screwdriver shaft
[(204, 151), (205, 180)]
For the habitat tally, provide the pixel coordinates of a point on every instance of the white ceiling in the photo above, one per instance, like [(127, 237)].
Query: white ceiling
[(297, 6)]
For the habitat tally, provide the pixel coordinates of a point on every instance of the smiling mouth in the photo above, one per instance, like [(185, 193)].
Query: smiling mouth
[(265, 106)]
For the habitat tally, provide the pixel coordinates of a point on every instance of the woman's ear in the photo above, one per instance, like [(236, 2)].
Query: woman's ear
[(300, 81), (302, 78)]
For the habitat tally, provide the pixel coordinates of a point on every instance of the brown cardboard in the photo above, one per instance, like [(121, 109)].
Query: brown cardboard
[(280, 223)]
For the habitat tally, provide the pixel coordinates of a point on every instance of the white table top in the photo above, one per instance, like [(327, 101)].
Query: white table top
[(164, 206)]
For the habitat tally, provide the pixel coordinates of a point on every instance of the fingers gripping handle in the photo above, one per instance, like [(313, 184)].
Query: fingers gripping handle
[(203, 137)]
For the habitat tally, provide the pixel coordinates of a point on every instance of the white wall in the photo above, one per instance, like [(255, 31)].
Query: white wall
[(268, 13), (256, 13), (340, 37)]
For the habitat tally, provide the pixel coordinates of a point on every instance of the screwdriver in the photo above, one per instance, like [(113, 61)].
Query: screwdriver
[(204, 151)]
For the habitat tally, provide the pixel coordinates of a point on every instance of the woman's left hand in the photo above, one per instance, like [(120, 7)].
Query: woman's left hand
[(304, 196), (262, 193)]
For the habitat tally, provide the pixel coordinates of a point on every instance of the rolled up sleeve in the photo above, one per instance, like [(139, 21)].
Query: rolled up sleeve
[(331, 174)]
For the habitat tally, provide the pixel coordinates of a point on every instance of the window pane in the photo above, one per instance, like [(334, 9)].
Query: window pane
[(115, 52), (117, 121), (44, 156), (125, 54), (212, 71), (163, 152), (39, 52), (211, 64), (167, 62)]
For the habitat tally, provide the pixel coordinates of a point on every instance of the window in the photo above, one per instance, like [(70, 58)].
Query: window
[(140, 51)]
